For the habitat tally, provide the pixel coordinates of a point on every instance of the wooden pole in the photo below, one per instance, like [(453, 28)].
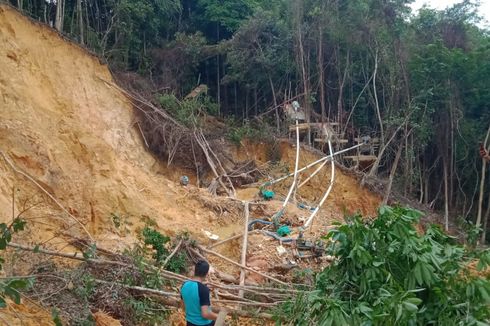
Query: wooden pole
[(241, 266), (244, 250), (230, 239)]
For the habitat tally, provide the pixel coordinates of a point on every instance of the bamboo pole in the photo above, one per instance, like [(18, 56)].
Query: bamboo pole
[(244, 249)]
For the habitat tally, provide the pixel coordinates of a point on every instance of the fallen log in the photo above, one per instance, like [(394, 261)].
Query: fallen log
[(173, 299), (168, 274), (241, 266)]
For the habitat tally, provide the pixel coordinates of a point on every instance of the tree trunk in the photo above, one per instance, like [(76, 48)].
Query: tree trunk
[(446, 195), (278, 119), (392, 173), (485, 222), (302, 64), (80, 20), (341, 91), (60, 15), (320, 71), (375, 91), (218, 84), (482, 182)]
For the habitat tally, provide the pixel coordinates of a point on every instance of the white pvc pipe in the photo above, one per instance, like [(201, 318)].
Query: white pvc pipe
[(313, 174), (312, 164), (332, 179), (296, 163)]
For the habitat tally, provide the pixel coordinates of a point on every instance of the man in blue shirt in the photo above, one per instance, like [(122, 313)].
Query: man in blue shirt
[(195, 296)]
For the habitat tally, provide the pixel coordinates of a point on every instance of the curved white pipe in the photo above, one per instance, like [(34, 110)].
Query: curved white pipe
[(332, 179), (325, 158), (296, 163)]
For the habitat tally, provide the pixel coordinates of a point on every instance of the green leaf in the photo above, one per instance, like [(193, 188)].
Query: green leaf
[(18, 224), (3, 243), (56, 317), (13, 294), (18, 284), (415, 301), (410, 307), (418, 274), (484, 293), (36, 249), (365, 309), (399, 312), (3, 304)]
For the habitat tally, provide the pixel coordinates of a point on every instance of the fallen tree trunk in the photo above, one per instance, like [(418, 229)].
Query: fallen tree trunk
[(172, 299), (168, 274), (242, 266)]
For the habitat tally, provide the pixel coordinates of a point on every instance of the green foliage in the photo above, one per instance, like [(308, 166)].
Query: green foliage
[(471, 231), (147, 312), (86, 288), (228, 13), (158, 242), (56, 317), (11, 287), (388, 274), (258, 132), (188, 111)]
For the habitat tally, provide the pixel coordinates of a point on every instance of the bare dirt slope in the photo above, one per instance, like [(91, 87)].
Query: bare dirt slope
[(64, 126)]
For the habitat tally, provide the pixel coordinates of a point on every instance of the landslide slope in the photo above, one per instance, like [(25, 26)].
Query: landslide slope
[(64, 125), (73, 134)]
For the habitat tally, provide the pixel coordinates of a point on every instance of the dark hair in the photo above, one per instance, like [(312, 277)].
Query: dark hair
[(201, 269)]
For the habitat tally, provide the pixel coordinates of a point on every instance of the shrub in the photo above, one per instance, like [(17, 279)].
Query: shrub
[(387, 274), (10, 288), (158, 243), (188, 111)]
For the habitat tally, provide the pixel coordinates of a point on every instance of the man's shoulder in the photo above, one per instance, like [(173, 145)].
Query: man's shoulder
[(187, 285), (202, 287)]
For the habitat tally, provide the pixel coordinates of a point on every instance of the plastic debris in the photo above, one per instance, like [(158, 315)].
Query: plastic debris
[(284, 230), (184, 180), (281, 250), (267, 194), (210, 235)]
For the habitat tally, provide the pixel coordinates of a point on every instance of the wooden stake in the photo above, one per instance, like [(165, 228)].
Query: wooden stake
[(244, 249)]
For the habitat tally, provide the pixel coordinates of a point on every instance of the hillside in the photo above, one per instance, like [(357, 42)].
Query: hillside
[(75, 137)]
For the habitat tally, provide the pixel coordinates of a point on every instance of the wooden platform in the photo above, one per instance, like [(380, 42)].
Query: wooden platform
[(374, 140), (337, 141), (361, 158), (311, 125)]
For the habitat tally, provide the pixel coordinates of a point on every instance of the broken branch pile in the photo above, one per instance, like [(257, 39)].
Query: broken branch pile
[(119, 276)]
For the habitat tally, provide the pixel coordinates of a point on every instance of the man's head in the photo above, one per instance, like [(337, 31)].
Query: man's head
[(201, 269)]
